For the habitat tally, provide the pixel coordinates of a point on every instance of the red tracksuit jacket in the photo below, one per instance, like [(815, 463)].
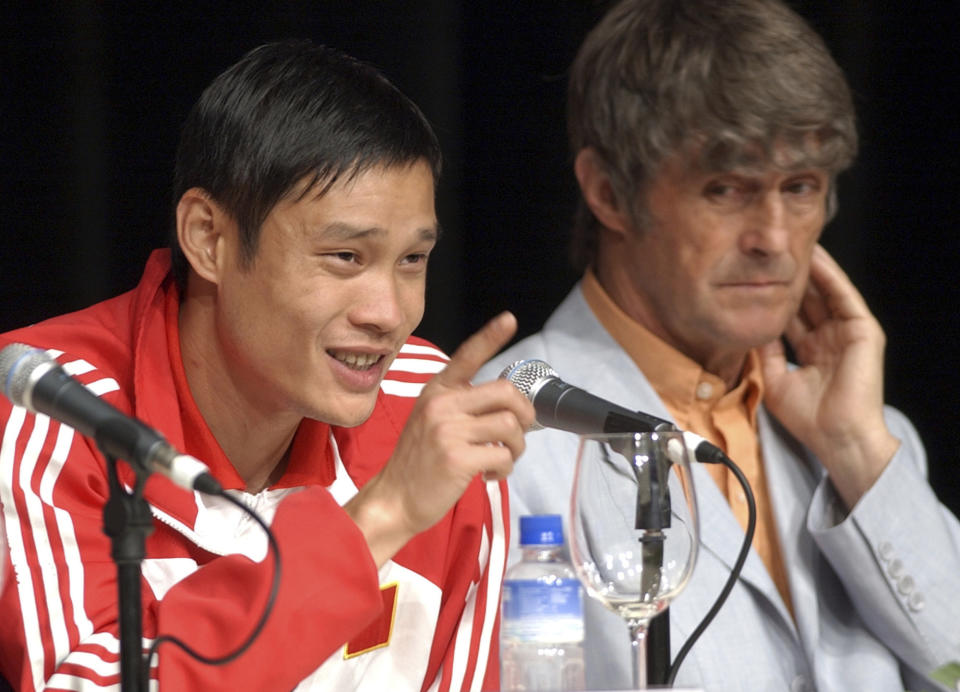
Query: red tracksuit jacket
[(427, 621)]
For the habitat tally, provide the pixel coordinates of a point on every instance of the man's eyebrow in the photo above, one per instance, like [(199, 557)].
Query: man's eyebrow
[(345, 231)]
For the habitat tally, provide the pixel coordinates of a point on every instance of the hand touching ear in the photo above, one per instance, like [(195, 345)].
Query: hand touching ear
[(833, 402)]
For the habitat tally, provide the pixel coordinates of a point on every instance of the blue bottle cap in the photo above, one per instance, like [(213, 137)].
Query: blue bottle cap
[(541, 529)]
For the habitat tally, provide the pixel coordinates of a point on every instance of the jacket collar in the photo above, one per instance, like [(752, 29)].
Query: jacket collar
[(162, 399)]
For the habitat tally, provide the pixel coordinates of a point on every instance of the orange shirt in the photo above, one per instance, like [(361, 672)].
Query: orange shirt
[(699, 402)]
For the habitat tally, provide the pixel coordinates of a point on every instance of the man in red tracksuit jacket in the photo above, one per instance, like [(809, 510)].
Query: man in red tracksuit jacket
[(273, 342)]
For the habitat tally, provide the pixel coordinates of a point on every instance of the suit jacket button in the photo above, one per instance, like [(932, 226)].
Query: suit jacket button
[(885, 550), (916, 602), (895, 569), (905, 585)]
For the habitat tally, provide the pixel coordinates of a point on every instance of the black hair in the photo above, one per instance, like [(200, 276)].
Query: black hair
[(286, 111)]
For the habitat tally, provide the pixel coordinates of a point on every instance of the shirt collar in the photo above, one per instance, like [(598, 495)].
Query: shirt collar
[(679, 381)]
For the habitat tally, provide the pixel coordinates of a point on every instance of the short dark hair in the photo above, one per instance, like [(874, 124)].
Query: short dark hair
[(285, 111), (729, 79)]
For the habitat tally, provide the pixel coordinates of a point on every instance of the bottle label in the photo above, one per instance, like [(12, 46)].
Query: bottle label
[(543, 611)]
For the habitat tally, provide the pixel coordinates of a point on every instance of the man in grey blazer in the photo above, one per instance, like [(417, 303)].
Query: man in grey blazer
[(707, 138)]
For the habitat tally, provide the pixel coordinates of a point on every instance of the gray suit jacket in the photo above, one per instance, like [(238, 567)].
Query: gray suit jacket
[(874, 592)]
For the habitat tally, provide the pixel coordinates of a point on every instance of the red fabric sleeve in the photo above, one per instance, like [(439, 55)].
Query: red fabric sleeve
[(329, 592), (466, 648), (59, 607)]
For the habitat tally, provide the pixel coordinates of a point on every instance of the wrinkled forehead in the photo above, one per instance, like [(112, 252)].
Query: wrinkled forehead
[(784, 152)]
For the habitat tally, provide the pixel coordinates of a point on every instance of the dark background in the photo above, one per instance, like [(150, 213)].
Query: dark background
[(93, 95)]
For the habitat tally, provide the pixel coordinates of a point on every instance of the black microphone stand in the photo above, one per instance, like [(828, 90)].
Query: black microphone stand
[(658, 649), (652, 516), (128, 522)]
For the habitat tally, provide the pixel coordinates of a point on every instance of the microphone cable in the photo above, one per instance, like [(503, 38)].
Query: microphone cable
[(258, 627), (582, 412), (734, 572)]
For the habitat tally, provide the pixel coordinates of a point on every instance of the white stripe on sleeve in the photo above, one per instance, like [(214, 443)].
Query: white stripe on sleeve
[(419, 350), (18, 556), (417, 365)]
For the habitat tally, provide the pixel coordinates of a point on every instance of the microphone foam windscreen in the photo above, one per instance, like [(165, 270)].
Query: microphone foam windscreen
[(17, 364)]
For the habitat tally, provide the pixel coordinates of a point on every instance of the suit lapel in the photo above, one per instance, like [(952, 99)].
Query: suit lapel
[(792, 478), (722, 535)]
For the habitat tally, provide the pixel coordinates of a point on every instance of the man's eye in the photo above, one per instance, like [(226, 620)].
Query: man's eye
[(416, 258), (344, 256), (801, 187), (722, 191)]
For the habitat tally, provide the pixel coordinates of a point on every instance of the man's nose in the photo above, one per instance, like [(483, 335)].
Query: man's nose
[(766, 231), (379, 305)]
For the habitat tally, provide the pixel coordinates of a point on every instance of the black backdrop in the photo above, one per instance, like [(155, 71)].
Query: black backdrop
[(94, 94)]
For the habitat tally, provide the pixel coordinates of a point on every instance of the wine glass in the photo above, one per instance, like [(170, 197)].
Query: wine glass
[(633, 526)]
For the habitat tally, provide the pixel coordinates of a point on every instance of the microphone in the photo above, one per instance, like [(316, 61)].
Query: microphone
[(36, 381), (565, 407)]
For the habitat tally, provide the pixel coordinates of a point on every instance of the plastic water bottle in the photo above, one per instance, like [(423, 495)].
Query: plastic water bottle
[(541, 627)]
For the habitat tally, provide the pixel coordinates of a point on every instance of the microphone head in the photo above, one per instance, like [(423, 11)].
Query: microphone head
[(20, 367), (527, 376)]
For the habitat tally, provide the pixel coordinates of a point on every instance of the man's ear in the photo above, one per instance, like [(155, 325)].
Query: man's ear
[(200, 227), (598, 192)]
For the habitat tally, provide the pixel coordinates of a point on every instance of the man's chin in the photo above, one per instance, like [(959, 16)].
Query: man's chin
[(348, 414), (750, 335)]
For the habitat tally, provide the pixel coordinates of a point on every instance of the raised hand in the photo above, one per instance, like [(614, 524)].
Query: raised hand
[(455, 431), (833, 402)]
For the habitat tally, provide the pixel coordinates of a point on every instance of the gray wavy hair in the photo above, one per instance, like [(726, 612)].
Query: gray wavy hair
[(727, 79)]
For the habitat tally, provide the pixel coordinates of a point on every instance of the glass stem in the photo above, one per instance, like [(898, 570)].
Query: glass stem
[(638, 640)]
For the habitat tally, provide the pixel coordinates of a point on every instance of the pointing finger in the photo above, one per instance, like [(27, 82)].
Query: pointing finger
[(478, 349)]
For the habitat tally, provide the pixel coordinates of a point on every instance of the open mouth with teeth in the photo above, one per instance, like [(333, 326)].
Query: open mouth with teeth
[(356, 361)]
